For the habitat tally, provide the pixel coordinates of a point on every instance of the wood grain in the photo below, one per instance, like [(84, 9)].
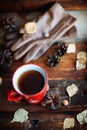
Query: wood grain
[(65, 74), (66, 69), (30, 5), (47, 119), (59, 77)]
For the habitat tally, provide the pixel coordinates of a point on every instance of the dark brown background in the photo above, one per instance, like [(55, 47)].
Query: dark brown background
[(26, 5)]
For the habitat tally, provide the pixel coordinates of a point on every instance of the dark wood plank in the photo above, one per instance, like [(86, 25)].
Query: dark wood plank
[(30, 5), (78, 102), (47, 119), (43, 124), (66, 69)]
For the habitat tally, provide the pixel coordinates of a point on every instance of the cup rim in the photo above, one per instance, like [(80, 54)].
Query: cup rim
[(30, 95)]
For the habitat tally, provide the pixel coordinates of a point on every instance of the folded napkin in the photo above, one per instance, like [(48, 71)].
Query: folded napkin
[(53, 25)]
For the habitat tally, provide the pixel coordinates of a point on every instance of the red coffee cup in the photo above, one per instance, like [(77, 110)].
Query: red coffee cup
[(30, 83)]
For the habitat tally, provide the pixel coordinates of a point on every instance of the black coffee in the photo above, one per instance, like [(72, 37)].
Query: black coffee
[(30, 82)]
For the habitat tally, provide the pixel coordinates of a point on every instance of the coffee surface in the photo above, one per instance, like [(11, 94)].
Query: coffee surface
[(31, 82)]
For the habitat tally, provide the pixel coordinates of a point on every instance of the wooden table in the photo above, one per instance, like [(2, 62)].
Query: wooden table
[(60, 77)]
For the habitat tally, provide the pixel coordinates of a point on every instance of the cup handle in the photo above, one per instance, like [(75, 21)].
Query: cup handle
[(14, 96)]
